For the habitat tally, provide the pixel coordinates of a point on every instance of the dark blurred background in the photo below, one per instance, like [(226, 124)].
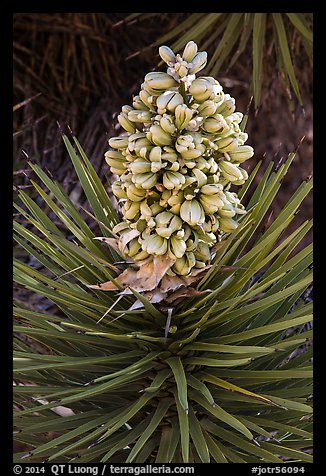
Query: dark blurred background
[(78, 69)]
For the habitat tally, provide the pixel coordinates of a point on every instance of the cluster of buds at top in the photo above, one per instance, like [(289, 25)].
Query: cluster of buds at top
[(182, 150)]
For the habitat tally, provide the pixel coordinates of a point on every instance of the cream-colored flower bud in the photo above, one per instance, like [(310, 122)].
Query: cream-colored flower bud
[(189, 51), (126, 123), (176, 224), (131, 210), (169, 154), (207, 108), (215, 225), (182, 71), (242, 137), (202, 164), (166, 54), (191, 259), (167, 223), (116, 161), (191, 244), (166, 194), (242, 153), (228, 224), (227, 107), (118, 190), (167, 124), (135, 115), (210, 203), (156, 208), (163, 218), (189, 193), (137, 141), (157, 81), (173, 180), (139, 104), (244, 173), (145, 211), (184, 143), (155, 154), (189, 232), (120, 142), (192, 154), (202, 252), (132, 248), (183, 115), (172, 72), (226, 211), (240, 211), (142, 255), (135, 194), (121, 227), (157, 166), (158, 136), (232, 197), (176, 198), (189, 180), (147, 98), (143, 152), (201, 89), (244, 177), (150, 224), (227, 144), (168, 101), (164, 231), (215, 124), (177, 246), (179, 63), (201, 177), (189, 147), (230, 171), (199, 264), (198, 62), (139, 166), (209, 144), (207, 237), (181, 266), (145, 181), (207, 226), (192, 212), (211, 189), (234, 118), (175, 209), (194, 124), (114, 154), (156, 245), (206, 230), (126, 108), (213, 168), (173, 167)]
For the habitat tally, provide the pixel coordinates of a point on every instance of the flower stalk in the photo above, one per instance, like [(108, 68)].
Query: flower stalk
[(181, 152)]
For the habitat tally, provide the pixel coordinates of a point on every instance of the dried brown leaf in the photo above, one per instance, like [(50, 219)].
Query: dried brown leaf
[(146, 278), (172, 283), (154, 296), (185, 292)]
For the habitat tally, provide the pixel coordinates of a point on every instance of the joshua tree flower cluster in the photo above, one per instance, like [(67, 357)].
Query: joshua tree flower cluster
[(182, 150)]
